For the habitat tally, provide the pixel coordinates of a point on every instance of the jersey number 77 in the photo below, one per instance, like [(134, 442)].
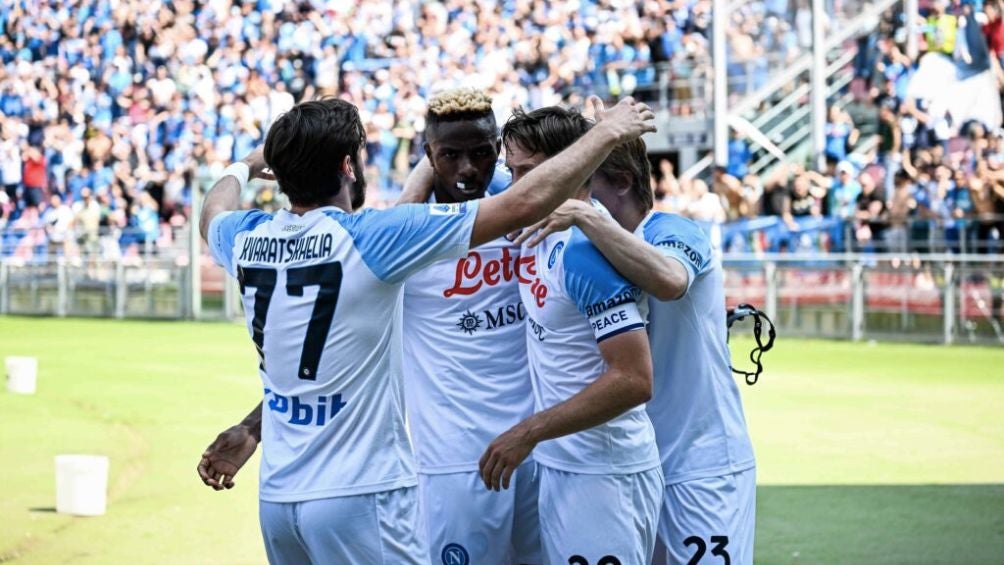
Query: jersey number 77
[(328, 276)]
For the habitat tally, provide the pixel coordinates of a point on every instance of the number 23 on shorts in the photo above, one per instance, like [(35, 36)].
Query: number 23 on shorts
[(605, 560), (718, 549)]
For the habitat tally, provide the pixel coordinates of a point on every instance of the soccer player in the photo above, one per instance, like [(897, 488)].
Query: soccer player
[(707, 458), (600, 484), (320, 287), (464, 344)]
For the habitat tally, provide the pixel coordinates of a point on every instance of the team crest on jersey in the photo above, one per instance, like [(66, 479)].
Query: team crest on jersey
[(455, 554), (554, 254), (469, 322), (447, 209)]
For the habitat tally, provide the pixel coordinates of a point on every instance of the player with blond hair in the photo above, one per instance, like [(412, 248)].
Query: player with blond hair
[(465, 374)]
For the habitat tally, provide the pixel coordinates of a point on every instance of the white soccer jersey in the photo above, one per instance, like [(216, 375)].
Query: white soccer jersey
[(695, 406), (321, 292), (464, 362), (574, 299)]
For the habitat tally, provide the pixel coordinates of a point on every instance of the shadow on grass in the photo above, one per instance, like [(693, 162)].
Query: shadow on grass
[(43, 509), (881, 524)]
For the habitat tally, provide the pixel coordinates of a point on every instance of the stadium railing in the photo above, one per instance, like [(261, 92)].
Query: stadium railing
[(770, 234), (122, 288), (932, 298)]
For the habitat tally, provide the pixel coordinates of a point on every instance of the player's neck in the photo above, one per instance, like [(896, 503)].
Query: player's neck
[(340, 201), (631, 219), (630, 215)]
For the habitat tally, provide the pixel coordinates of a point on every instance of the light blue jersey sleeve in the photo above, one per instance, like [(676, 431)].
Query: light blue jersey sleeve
[(396, 242), (223, 231), (681, 239), (599, 291), (501, 180)]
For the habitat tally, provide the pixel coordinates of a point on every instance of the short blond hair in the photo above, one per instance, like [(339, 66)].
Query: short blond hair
[(460, 102)]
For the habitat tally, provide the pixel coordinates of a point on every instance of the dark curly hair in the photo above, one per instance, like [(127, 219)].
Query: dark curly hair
[(306, 146)]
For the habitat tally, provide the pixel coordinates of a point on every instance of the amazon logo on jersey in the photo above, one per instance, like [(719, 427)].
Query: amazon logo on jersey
[(597, 308)]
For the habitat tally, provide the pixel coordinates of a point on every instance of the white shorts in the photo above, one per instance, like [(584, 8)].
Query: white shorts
[(373, 528), (705, 520), (599, 519), (469, 524)]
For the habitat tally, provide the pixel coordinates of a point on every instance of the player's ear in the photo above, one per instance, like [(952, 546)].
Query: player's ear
[(498, 147), (624, 188), (428, 151), (347, 169)]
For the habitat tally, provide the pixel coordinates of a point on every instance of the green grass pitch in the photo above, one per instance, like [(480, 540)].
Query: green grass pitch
[(866, 453)]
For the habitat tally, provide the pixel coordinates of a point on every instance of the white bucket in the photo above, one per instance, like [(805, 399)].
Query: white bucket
[(22, 373), (81, 484)]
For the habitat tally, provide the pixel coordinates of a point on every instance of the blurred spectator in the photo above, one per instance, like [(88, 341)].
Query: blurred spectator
[(739, 156), (34, 178), (993, 29), (890, 144), (10, 163), (841, 134), (730, 191), (87, 220), (775, 191), (705, 206), (803, 200), (902, 208), (843, 192), (941, 28), (869, 214), (58, 220)]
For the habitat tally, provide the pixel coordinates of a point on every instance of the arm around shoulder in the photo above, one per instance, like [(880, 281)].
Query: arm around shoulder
[(544, 188), (640, 262)]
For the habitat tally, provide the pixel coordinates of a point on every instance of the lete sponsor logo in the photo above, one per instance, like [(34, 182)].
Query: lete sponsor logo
[(475, 271)]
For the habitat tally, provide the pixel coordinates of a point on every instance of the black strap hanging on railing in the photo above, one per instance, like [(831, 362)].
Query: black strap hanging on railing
[(742, 311)]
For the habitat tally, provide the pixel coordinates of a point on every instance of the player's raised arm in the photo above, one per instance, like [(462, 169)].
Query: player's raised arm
[(548, 185), (225, 195), (639, 261), (626, 383), (418, 185)]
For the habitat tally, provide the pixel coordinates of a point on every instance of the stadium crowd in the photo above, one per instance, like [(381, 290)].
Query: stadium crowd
[(112, 111), (922, 179)]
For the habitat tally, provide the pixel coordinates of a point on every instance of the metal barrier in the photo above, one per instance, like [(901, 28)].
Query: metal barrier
[(834, 235), (923, 298), (120, 289)]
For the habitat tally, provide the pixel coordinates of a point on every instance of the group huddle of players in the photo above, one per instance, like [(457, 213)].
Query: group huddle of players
[(567, 391)]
